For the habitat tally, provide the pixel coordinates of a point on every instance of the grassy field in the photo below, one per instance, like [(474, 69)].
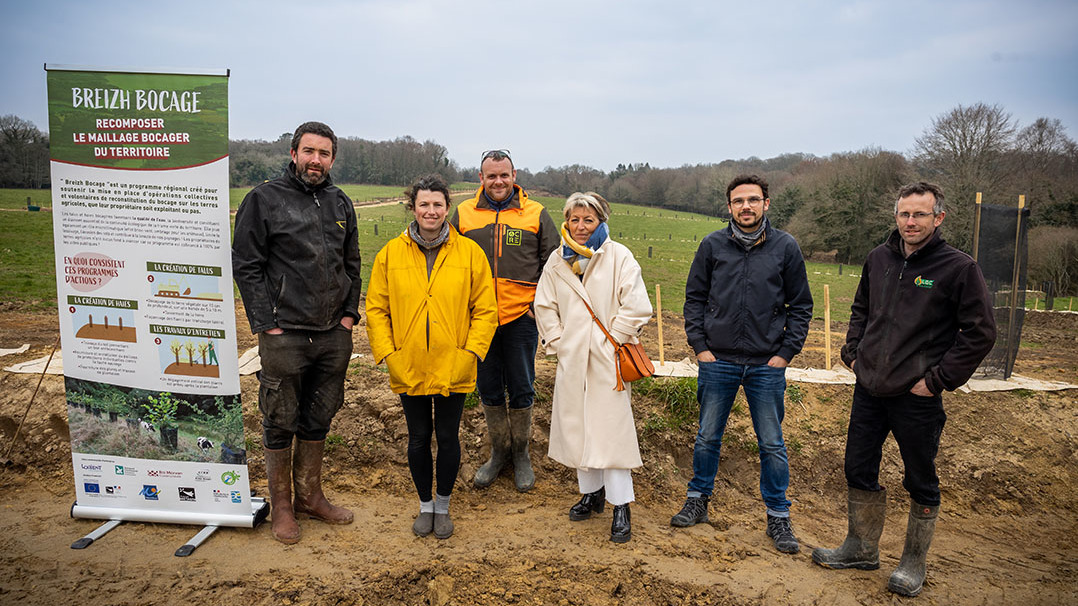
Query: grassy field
[(663, 241), (27, 273)]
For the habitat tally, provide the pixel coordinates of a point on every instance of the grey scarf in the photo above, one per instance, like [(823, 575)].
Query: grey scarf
[(413, 231), (747, 239)]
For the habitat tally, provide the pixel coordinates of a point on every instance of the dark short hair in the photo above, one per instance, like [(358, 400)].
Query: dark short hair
[(314, 128), (920, 188), (746, 180), (428, 183)]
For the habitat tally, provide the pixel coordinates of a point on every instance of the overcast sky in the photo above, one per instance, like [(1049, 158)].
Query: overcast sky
[(578, 82)]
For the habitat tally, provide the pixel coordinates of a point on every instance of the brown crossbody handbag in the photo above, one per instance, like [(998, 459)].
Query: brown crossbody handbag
[(632, 364)]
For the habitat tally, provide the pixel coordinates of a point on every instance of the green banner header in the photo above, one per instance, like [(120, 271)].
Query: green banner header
[(187, 331), (137, 121)]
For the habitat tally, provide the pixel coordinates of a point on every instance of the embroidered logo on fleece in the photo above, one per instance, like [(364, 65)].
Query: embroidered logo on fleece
[(923, 283), (340, 224), (514, 237)]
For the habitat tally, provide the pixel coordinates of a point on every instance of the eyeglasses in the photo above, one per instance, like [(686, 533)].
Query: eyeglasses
[(917, 216), (496, 155), (753, 201)]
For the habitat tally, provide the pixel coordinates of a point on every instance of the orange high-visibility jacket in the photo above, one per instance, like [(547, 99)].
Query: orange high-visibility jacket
[(517, 242)]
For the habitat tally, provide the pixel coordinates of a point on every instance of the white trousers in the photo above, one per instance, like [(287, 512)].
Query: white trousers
[(618, 483)]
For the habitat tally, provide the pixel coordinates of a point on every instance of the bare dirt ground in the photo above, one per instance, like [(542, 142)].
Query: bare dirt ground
[(1006, 534)]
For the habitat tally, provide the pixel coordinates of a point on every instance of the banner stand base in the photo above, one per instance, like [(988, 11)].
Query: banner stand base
[(190, 547), (101, 530), (259, 513)]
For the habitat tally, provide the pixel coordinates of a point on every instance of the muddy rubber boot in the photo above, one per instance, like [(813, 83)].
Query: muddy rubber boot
[(861, 549), (307, 474), (279, 475), (498, 431), (909, 578), (520, 424)]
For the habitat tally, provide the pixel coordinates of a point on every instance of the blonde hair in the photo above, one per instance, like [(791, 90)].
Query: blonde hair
[(589, 200)]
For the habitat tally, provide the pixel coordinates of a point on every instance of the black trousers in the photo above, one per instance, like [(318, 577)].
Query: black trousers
[(301, 383), (444, 422), (915, 421)]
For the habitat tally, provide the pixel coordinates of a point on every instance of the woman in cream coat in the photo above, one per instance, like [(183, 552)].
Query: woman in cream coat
[(592, 427)]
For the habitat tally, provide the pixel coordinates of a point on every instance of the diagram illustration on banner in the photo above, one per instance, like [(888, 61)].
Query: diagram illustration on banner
[(147, 320)]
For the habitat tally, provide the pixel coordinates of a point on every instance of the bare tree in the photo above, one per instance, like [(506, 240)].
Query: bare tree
[(966, 150), (24, 153)]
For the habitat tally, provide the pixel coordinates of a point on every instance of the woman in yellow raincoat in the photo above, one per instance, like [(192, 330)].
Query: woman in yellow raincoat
[(431, 314)]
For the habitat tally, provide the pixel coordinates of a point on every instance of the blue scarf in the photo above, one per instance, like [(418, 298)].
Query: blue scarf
[(578, 256)]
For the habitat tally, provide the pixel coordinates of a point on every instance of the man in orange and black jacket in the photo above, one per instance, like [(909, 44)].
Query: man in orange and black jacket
[(517, 235)]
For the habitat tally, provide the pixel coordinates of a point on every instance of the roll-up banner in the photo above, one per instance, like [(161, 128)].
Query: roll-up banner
[(144, 287)]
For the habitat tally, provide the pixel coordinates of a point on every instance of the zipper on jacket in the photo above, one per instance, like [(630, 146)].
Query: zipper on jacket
[(497, 246), (277, 299), (886, 342), (325, 253)]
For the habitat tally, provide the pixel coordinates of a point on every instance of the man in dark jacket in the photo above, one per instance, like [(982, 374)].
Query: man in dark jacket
[(295, 256), (921, 323), (747, 312)]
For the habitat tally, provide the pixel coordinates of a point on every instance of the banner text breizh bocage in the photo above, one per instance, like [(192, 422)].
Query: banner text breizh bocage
[(144, 286)]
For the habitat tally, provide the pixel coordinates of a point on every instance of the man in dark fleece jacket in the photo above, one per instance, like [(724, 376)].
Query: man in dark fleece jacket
[(921, 323), (295, 256), (747, 312)]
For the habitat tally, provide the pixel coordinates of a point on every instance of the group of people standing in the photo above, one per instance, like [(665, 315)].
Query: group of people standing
[(462, 298)]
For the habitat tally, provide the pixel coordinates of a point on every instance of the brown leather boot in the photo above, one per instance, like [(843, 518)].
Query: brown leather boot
[(307, 475), (279, 475)]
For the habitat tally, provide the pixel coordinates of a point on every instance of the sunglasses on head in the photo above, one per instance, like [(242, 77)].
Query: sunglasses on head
[(496, 155)]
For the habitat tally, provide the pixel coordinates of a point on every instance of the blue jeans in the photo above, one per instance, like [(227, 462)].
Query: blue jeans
[(765, 389), (510, 365)]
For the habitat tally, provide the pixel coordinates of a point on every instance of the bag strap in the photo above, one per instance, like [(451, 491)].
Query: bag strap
[(601, 327), (618, 386)]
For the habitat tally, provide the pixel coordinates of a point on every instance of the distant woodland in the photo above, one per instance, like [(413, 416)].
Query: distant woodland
[(839, 206)]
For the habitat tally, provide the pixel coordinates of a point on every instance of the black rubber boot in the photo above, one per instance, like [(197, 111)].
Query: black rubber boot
[(592, 502), (861, 549), (520, 428), (621, 529), (498, 430), (909, 578)]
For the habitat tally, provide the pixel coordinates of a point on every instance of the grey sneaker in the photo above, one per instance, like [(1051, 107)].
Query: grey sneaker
[(692, 512), (424, 524), (782, 534), (443, 526)]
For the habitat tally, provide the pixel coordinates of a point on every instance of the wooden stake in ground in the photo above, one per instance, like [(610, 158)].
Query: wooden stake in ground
[(15, 437), (827, 324), (659, 306)]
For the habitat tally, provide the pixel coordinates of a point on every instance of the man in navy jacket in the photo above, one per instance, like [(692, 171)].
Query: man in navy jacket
[(921, 323), (747, 312)]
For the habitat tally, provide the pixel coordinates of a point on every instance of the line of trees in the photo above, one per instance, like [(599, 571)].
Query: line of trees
[(839, 206), (395, 162)]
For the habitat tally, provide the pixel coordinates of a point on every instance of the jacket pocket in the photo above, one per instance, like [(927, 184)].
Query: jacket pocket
[(398, 370), (464, 368)]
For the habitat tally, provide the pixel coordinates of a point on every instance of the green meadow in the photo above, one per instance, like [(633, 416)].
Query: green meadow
[(663, 241)]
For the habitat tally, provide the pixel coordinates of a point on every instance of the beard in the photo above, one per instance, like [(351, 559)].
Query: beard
[(309, 178)]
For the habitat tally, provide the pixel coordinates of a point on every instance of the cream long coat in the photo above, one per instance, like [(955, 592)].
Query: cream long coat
[(591, 424)]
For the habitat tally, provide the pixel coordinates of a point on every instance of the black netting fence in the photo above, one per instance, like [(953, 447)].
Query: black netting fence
[(1001, 245)]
